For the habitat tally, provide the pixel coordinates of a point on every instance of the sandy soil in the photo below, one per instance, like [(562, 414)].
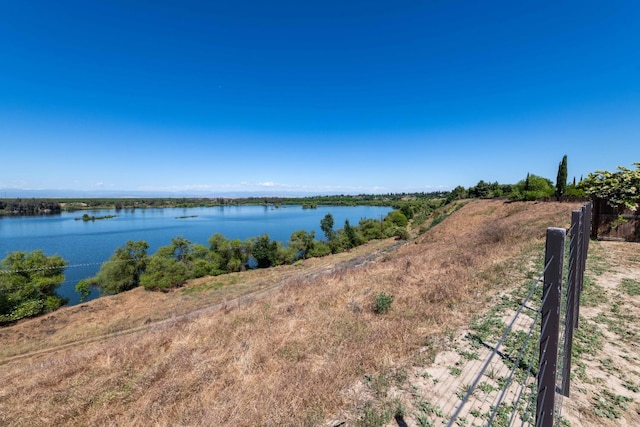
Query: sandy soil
[(608, 394)]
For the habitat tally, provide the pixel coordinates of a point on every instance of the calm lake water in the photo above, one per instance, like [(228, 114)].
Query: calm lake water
[(87, 244)]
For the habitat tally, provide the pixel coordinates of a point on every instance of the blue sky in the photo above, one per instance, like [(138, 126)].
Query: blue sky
[(326, 97)]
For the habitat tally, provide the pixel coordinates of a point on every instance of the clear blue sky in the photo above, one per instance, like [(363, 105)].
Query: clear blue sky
[(314, 96)]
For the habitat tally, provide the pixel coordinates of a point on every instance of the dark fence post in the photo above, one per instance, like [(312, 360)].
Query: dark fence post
[(572, 297), (579, 263), (595, 224), (588, 212), (554, 260), (583, 248)]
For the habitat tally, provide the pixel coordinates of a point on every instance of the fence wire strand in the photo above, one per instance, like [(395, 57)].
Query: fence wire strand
[(498, 345)]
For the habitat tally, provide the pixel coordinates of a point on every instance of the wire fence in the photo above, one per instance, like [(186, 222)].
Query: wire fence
[(521, 368)]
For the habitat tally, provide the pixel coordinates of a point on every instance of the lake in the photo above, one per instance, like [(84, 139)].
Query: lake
[(87, 244)]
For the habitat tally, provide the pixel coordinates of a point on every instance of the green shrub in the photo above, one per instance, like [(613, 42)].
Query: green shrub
[(383, 303), (399, 232), (163, 273), (319, 249), (397, 218)]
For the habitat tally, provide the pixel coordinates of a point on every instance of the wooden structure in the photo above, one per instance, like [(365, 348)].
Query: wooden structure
[(614, 223)]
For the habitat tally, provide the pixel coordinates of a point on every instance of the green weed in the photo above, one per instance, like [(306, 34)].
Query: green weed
[(630, 287), (610, 405)]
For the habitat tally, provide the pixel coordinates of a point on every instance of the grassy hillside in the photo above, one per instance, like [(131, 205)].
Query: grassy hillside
[(290, 354)]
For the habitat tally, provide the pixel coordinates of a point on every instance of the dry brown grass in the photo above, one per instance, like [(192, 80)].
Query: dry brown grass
[(283, 358)]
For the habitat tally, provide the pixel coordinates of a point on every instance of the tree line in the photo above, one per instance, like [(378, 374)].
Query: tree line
[(172, 265), (29, 206), (532, 187), (43, 206)]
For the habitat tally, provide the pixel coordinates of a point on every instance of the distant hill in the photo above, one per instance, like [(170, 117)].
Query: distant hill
[(13, 193)]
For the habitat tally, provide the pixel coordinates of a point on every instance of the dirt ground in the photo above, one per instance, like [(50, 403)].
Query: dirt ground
[(606, 386)]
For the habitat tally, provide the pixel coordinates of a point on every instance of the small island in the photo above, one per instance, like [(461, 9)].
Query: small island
[(86, 217)]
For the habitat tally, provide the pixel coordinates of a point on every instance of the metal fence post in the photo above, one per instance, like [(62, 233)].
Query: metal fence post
[(554, 260)]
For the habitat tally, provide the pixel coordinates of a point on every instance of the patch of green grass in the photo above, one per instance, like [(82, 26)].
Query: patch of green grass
[(563, 422), (610, 405), (462, 392), (492, 372), (596, 263), (423, 420), (378, 384), (630, 385), (592, 294), (587, 339), (630, 287), (607, 365), (373, 417), (489, 327), (208, 286), (400, 376), (486, 387), (461, 422), (469, 355), (399, 410), (620, 324), (455, 371), (427, 412), (503, 414)]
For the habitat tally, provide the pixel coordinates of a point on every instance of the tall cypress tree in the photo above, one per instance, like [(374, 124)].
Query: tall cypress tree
[(561, 180)]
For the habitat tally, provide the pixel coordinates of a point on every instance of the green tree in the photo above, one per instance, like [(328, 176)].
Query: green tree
[(397, 218), (163, 273), (532, 188), (456, 194), (181, 249), (326, 225), (123, 269), (83, 287), (351, 234), (561, 180), (320, 249), (28, 284), (231, 255), (482, 190), (372, 229), (620, 188), (302, 242), (205, 262), (264, 251), (401, 233)]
